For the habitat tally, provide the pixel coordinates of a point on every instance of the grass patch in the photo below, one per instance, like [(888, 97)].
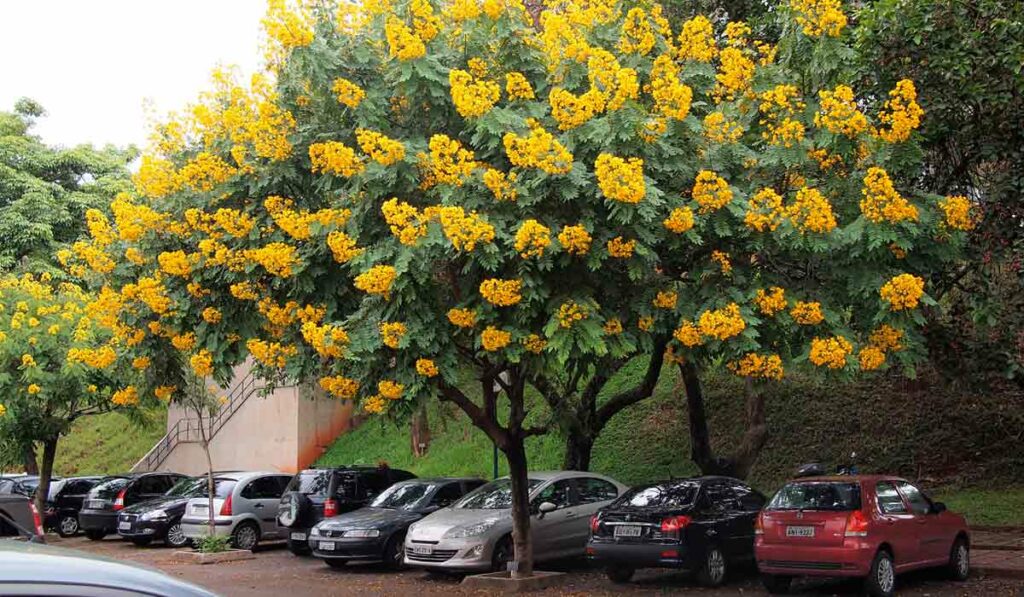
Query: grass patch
[(108, 443), (1000, 507)]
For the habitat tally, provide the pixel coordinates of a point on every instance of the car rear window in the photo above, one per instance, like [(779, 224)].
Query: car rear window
[(663, 495), (819, 495), (109, 488), (310, 483)]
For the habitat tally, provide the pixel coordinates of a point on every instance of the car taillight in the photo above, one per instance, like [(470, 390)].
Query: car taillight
[(35, 519), (856, 524), (330, 507), (759, 524), (225, 508), (595, 522), (119, 502), (672, 524)]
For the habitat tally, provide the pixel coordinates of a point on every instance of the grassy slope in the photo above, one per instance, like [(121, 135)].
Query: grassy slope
[(108, 443), (947, 439)]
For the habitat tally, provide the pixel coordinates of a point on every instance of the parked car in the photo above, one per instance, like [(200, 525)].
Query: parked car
[(29, 569), (315, 494), (160, 518), (7, 482), (245, 504), (701, 525), (19, 518), (868, 526), (377, 532), (25, 485), (476, 533), (98, 516), (65, 501)]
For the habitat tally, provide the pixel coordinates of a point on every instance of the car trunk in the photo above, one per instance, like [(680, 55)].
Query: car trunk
[(812, 528), (200, 508), (635, 526)]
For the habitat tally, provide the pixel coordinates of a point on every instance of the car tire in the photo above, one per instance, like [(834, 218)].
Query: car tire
[(335, 562), (619, 574), (881, 580), (246, 535), (95, 535), (713, 571), (960, 560), (299, 548), (776, 584), (502, 554), (141, 541), (67, 526), (394, 552), (175, 537)]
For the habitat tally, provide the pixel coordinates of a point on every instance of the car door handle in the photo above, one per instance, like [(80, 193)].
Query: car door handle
[(257, 506), (571, 515)]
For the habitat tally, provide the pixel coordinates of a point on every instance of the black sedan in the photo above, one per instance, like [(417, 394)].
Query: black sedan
[(65, 501), (700, 525), (160, 518), (377, 533), (98, 516)]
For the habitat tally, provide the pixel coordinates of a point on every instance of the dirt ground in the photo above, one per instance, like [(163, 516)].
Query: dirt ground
[(275, 572)]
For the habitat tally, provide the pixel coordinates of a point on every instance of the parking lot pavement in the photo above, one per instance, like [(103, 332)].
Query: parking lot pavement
[(276, 572)]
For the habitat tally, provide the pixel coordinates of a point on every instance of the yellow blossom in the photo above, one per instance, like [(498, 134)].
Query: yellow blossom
[(819, 17), (719, 129), (764, 211), (666, 299), (722, 259), (886, 338), (697, 40), (839, 113), (463, 318), (688, 334), (621, 248), (127, 396), (334, 157), (426, 367), (711, 191), (389, 389), (33, 388), (532, 239), (903, 292), (343, 247), (830, 352), (464, 230), (575, 240), (811, 212), (765, 366), (957, 210), (501, 293), (493, 339), (538, 150), (141, 363), (722, 323), (184, 342), (472, 97), (500, 184), (376, 280), (340, 387), (391, 333), (202, 363), (680, 220), (571, 312), (211, 315), (620, 179), (347, 92), (881, 202), (381, 149), (806, 313), (772, 301), (534, 343), (402, 42), (901, 113), (871, 358), (517, 87)]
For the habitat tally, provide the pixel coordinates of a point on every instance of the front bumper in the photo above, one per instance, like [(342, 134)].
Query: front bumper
[(156, 529), (98, 520), (470, 553), (340, 548), (639, 555), (853, 558)]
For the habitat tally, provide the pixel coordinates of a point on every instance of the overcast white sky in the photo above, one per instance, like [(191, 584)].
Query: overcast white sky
[(93, 63)]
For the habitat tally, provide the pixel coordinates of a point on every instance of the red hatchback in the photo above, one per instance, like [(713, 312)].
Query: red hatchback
[(869, 526)]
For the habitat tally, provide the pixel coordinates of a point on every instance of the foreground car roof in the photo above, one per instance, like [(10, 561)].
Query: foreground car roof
[(846, 478), (42, 565)]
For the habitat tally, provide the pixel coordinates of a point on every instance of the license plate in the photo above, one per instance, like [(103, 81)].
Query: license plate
[(96, 504), (124, 526), (627, 531), (326, 546), (298, 536), (799, 531), (423, 550)]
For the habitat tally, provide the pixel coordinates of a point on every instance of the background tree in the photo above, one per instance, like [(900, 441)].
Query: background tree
[(433, 194)]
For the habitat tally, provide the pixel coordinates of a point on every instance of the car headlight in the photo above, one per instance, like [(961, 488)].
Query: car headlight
[(314, 532), (362, 533), (471, 530), (154, 515)]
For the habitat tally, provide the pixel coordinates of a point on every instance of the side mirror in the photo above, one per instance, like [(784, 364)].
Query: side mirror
[(938, 507), (545, 508)]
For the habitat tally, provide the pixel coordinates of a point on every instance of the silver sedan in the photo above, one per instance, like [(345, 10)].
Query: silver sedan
[(476, 532)]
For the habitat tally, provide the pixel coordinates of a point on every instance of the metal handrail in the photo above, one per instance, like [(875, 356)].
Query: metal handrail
[(188, 429)]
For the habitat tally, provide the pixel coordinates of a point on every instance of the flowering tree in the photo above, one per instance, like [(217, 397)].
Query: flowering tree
[(417, 192)]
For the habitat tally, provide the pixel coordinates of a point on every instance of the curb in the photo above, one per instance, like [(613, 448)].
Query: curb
[(983, 546), (997, 528), (994, 572)]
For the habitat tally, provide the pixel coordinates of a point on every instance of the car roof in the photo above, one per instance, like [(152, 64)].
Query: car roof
[(847, 479), (239, 475), (439, 480), (558, 475)]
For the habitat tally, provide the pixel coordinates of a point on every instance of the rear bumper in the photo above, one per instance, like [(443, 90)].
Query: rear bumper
[(851, 559), (98, 520), (347, 549), (639, 555), (197, 529)]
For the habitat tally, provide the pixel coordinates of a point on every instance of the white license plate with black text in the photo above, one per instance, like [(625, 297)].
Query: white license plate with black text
[(124, 525), (298, 536), (423, 550), (96, 504), (799, 531), (627, 530), (327, 546)]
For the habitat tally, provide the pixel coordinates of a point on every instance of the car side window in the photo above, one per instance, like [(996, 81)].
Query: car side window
[(889, 500), (592, 489), (447, 495), (558, 493), (251, 489), (720, 497), (282, 484), (150, 484), (748, 498), (919, 504), (261, 488)]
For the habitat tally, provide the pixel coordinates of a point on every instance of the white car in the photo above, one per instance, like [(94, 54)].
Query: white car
[(476, 532), (244, 505)]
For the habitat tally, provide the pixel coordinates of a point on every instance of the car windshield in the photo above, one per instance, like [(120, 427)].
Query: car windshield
[(817, 496), (403, 496), (496, 495), (664, 495), (187, 487), (55, 487), (26, 487), (109, 488), (310, 483)]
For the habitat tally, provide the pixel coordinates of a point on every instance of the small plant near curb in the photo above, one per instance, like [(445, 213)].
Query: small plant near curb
[(211, 544)]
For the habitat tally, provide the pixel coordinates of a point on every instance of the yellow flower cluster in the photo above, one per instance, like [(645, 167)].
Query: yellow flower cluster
[(33, 389), (270, 354), (340, 387), (342, 246), (871, 358), (517, 87), (377, 280), (164, 392), (407, 223), (570, 110), (538, 150), (764, 211), (448, 162), (886, 338), (722, 259), (722, 323), (734, 76), (711, 191), (134, 220), (278, 259), (99, 358), (679, 220), (830, 352), (334, 157), (463, 318), (472, 97), (389, 389), (719, 129), (127, 396), (289, 28), (772, 301), (903, 292), (637, 35), (99, 227), (402, 42), (901, 113), (575, 240), (881, 202), (141, 363), (426, 368), (183, 342), (532, 239), (687, 334), (571, 312), (500, 184), (244, 291), (347, 92), (329, 341), (424, 22), (204, 172), (620, 179), (811, 211), (839, 113), (957, 210), (464, 230), (645, 323), (697, 40), (235, 222), (666, 299), (671, 97), (174, 263), (501, 293), (202, 363), (156, 177), (819, 17), (806, 313), (621, 248), (493, 339), (391, 333), (28, 361), (151, 291), (381, 149), (826, 161), (765, 366), (612, 327), (534, 343)]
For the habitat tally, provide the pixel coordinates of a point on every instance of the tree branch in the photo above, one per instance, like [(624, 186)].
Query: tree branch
[(620, 401)]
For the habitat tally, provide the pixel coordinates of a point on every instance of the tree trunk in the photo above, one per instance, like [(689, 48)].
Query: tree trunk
[(578, 447), (515, 453), (205, 443), (43, 491), (31, 467), (420, 432)]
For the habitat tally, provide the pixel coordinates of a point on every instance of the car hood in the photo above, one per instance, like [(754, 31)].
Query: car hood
[(370, 518), (164, 503), (433, 527)]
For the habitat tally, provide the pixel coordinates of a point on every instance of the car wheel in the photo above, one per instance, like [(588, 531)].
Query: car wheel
[(881, 580), (176, 537), (776, 584), (712, 572), (299, 548), (502, 555), (960, 560), (619, 574), (335, 562), (246, 535), (141, 541), (394, 552), (95, 535), (68, 526)]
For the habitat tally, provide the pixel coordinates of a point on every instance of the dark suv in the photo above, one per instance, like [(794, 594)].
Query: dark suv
[(65, 501), (315, 494), (98, 517)]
